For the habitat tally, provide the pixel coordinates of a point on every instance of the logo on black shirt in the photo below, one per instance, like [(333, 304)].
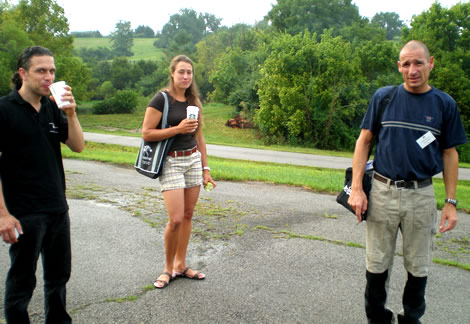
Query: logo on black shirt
[(54, 129)]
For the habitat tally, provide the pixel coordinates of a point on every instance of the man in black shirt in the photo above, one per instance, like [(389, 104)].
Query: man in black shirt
[(33, 209)]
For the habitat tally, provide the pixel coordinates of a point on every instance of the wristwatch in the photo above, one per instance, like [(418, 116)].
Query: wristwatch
[(451, 201), (206, 168)]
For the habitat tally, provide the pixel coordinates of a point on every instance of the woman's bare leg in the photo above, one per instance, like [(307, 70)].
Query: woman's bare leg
[(191, 196), (175, 209)]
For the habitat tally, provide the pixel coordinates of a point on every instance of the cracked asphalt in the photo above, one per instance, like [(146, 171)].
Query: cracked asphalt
[(272, 254)]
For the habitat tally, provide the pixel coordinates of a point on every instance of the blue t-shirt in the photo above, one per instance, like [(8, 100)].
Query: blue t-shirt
[(407, 118)]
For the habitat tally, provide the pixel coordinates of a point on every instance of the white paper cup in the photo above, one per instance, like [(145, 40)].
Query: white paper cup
[(57, 90), (192, 112)]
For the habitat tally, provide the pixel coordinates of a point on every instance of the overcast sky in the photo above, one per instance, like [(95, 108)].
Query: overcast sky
[(102, 15)]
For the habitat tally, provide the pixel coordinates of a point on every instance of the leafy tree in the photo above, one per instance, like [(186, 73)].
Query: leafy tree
[(124, 74), (4, 6), (182, 42), (40, 23), (228, 74), (102, 71), (75, 73), (184, 30), (153, 80), (378, 55), (94, 55), (311, 92), (147, 66), (207, 50), (150, 84), (122, 39), (360, 32), (213, 54), (92, 87), (87, 34), (235, 76), (13, 39), (46, 24), (106, 90), (295, 16), (390, 21), (143, 31), (379, 63), (447, 34)]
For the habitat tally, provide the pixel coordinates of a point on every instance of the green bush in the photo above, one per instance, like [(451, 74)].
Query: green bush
[(464, 152), (123, 102), (104, 107), (126, 101)]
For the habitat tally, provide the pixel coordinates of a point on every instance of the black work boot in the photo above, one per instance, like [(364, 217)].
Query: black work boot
[(414, 303), (375, 298)]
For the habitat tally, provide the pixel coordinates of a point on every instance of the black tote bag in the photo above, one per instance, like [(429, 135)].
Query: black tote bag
[(152, 155)]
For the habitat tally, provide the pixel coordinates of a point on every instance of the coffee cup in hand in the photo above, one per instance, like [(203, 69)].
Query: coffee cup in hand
[(192, 112), (57, 90)]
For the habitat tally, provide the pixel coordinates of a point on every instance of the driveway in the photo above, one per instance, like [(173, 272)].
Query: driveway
[(272, 254)]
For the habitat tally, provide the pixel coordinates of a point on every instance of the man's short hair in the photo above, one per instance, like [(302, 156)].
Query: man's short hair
[(24, 61), (416, 44)]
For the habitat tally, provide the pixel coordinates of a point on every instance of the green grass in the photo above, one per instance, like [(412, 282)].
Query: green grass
[(452, 263), (143, 48), (316, 179), (80, 42), (119, 124), (215, 131)]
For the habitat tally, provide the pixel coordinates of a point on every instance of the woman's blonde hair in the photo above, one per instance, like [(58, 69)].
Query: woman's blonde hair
[(192, 92)]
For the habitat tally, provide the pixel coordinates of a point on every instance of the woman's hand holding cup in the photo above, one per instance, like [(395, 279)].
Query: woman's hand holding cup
[(188, 125)]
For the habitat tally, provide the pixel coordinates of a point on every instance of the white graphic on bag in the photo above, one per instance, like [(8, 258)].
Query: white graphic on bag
[(147, 150), (347, 190), (147, 155)]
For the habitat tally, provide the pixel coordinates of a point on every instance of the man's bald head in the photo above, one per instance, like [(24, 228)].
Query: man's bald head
[(414, 45)]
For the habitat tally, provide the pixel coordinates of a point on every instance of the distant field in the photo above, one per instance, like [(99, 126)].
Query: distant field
[(143, 48)]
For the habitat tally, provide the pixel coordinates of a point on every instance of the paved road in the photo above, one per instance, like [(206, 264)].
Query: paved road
[(242, 153), (272, 254)]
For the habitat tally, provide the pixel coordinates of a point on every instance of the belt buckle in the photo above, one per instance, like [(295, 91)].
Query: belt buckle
[(400, 184)]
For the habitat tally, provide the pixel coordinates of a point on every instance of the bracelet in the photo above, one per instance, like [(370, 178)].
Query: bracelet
[(451, 201), (206, 168)]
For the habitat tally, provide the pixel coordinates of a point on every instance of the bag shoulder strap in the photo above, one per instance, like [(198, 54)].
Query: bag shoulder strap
[(165, 111), (166, 108), (383, 104)]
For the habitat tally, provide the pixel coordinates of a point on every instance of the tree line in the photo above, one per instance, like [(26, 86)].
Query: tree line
[(304, 74)]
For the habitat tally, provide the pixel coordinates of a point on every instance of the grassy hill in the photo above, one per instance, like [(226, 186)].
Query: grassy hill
[(143, 48)]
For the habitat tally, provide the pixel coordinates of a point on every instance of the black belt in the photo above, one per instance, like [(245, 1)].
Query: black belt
[(402, 184)]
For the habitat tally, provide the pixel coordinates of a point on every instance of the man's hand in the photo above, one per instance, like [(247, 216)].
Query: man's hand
[(8, 223), (358, 201), (68, 96), (449, 215)]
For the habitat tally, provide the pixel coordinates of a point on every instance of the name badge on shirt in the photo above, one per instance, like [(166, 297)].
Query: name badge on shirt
[(425, 140)]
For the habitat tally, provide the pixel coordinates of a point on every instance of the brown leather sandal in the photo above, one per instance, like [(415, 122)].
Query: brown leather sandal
[(184, 275), (165, 283)]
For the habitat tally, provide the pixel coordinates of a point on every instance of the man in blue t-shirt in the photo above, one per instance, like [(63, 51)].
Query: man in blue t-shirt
[(419, 131)]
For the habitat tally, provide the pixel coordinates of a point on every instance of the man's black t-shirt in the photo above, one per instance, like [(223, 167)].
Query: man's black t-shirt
[(31, 167)]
